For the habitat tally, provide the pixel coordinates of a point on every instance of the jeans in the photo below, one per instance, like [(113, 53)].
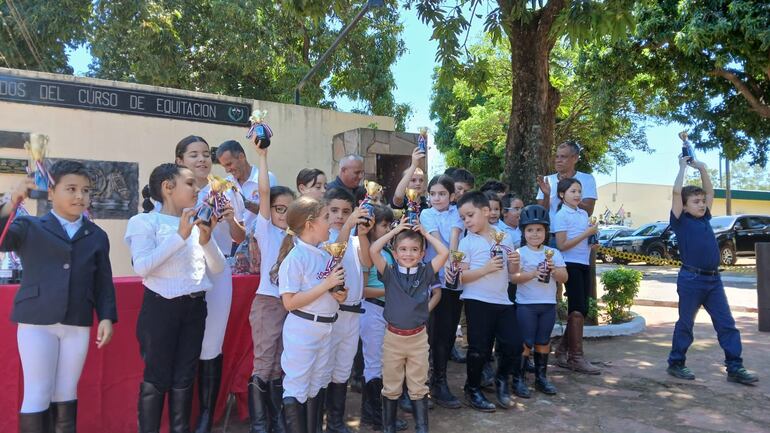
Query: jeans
[(696, 290)]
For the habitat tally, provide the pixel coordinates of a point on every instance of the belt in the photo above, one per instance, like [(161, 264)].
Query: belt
[(699, 271), (314, 317), (197, 294), (405, 332), (355, 308), (376, 301)]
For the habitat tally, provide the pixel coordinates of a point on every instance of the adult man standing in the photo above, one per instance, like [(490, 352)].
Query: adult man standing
[(350, 177), (232, 157), (569, 352)]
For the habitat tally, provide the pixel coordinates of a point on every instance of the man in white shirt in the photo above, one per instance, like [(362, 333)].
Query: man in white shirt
[(232, 157), (567, 156)]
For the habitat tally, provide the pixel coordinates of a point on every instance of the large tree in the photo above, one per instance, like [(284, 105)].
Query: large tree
[(532, 29)]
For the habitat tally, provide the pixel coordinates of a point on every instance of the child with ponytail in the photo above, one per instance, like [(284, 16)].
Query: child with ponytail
[(172, 250)]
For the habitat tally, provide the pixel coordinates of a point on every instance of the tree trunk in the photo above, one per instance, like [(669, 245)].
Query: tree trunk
[(530, 140)]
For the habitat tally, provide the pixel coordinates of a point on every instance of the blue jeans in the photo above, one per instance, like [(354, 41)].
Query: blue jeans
[(696, 290)]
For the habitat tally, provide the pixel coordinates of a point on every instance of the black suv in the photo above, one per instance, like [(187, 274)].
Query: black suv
[(737, 235), (650, 239)]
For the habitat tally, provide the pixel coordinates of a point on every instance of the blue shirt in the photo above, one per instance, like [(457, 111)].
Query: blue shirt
[(697, 243), (71, 227), (374, 278)]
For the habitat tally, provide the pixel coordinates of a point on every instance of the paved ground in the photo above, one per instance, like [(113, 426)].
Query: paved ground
[(634, 394)]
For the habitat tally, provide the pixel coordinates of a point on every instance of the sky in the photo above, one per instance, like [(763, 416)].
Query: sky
[(413, 74)]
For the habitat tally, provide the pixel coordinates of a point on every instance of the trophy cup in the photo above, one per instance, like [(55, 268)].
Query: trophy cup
[(412, 206), (337, 250), (687, 149), (372, 189), (497, 249), (422, 139), (543, 266), (594, 238), (217, 194), (260, 128), (37, 147), (455, 258)]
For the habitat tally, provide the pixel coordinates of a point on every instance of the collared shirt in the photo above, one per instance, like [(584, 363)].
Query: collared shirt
[(374, 279), (250, 189), (698, 245), (492, 287), (442, 222), (574, 222), (513, 232), (71, 227), (270, 238), (302, 269), (587, 182)]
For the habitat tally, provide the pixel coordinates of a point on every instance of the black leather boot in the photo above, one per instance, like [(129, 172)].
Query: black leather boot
[(420, 415), (473, 395), (389, 408), (65, 416), (541, 380), (502, 392), (440, 392), (295, 414), (314, 407), (150, 408), (371, 406), (209, 380), (519, 376), (36, 422), (275, 406), (335, 408), (258, 401), (179, 409)]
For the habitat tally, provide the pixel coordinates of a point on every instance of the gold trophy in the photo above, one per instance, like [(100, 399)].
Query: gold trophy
[(372, 190), (455, 258), (422, 139), (37, 147), (497, 236), (544, 267), (593, 239), (412, 206), (337, 250)]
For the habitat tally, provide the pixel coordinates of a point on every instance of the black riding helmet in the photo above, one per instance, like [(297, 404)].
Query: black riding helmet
[(534, 214)]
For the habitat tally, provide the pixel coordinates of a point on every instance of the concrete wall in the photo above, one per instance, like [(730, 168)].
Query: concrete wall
[(303, 138)]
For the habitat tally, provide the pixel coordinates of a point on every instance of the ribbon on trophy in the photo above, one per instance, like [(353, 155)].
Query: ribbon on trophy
[(337, 250)]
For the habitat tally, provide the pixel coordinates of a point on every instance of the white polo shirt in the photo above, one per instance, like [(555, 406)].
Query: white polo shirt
[(533, 291), (442, 222), (301, 270), (221, 233), (493, 287), (354, 272), (250, 189), (270, 238), (513, 232), (586, 180), (574, 222)]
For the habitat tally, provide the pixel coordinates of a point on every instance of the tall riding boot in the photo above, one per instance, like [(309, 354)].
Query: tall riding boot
[(562, 349), (474, 397), (519, 375), (335, 408), (439, 389), (275, 406), (420, 415), (65, 416), (576, 360), (295, 414), (258, 401), (502, 391), (389, 408), (541, 369), (150, 408), (209, 380), (371, 406), (179, 409), (314, 407), (35, 422)]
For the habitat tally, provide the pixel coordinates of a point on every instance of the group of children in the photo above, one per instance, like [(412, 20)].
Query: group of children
[(332, 273)]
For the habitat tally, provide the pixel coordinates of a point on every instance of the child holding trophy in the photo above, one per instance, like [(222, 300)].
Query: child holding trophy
[(67, 276), (536, 292), (413, 178), (307, 276), (573, 230)]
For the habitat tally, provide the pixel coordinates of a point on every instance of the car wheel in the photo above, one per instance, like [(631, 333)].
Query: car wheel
[(727, 255), (655, 252)]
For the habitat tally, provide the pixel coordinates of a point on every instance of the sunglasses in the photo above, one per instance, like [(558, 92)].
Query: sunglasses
[(280, 209)]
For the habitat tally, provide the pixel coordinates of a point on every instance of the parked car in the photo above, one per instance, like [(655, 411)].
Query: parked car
[(606, 235), (650, 239), (738, 234)]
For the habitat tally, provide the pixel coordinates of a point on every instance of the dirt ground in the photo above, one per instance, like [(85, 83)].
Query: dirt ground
[(634, 394)]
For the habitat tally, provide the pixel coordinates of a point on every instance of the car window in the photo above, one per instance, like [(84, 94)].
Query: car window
[(742, 222), (651, 230), (721, 222), (755, 223), (606, 234)]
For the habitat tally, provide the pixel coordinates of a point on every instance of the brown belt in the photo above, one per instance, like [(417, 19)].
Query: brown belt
[(405, 332)]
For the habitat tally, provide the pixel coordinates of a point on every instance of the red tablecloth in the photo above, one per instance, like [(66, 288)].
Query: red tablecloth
[(109, 386)]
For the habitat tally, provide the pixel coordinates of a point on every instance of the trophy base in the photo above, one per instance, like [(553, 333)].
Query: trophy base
[(36, 194), (337, 289), (264, 143)]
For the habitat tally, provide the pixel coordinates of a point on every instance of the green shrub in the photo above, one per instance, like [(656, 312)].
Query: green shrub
[(621, 286), (593, 310)]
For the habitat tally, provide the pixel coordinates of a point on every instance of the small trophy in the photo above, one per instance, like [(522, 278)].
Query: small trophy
[(412, 206), (372, 190), (545, 276), (422, 139), (337, 250), (455, 258), (217, 197), (687, 149), (497, 249), (37, 147), (593, 239), (260, 128)]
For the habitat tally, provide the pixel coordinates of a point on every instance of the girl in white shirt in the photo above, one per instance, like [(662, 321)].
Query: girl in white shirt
[(267, 312), (193, 152), (572, 229), (173, 253), (306, 282)]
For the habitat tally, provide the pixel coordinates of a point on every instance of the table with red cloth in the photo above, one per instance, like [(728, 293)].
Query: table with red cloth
[(109, 387)]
